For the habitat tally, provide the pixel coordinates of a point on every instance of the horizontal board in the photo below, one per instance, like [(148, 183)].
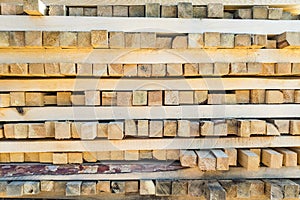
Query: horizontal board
[(141, 112), (159, 112), (146, 56), (169, 25), (124, 84), (147, 144), (188, 174), (292, 3)]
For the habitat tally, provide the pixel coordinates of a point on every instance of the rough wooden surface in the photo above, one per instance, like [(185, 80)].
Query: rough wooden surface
[(80, 84), (159, 144), (125, 24)]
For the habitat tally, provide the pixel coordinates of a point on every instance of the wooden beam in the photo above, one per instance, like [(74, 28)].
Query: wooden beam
[(187, 174), (174, 25), (146, 56), (142, 112), (291, 3), (81, 84), (142, 144)]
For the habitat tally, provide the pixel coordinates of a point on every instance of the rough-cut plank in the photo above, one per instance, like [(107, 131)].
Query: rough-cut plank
[(73, 188), (289, 157), (130, 128), (62, 130), (173, 143), (17, 99), (36, 131), (155, 128), (232, 154), (184, 128), (222, 160), (288, 40), (117, 155), (163, 188), (15, 188), (206, 160), (188, 158), (60, 158), (142, 112), (248, 159), (31, 187), (273, 190), (88, 130), (244, 128), (88, 188), (179, 188), (295, 127), (115, 130), (272, 158), (57, 10), (258, 127), (147, 187), (99, 38), (215, 10), (187, 174), (286, 4), (126, 25), (147, 56), (34, 99), (272, 130), (159, 154), (213, 190)]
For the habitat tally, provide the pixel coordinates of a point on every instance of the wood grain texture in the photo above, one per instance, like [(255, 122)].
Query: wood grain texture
[(146, 56), (170, 25), (141, 112), (188, 174), (150, 144), (81, 84)]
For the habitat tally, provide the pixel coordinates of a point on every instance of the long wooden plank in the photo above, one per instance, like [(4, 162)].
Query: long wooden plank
[(81, 84), (141, 112), (188, 174), (169, 25), (145, 56), (149, 144), (141, 2)]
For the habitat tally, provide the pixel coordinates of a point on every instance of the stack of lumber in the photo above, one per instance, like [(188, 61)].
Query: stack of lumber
[(196, 99)]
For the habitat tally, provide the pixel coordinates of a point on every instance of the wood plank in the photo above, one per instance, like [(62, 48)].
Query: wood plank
[(222, 160), (213, 190), (294, 8), (142, 144), (272, 158), (206, 160), (51, 23), (146, 56), (289, 157), (80, 84), (188, 174), (34, 7), (188, 158), (170, 112), (248, 159)]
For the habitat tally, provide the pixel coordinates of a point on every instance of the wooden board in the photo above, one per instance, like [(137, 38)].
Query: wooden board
[(188, 174), (149, 144), (146, 56), (173, 25), (285, 3), (81, 84), (142, 112)]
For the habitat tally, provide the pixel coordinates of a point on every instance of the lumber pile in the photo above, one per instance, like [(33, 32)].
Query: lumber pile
[(116, 100), (154, 10)]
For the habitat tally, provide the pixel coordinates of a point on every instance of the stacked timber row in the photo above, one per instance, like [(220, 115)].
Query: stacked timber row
[(149, 99)]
